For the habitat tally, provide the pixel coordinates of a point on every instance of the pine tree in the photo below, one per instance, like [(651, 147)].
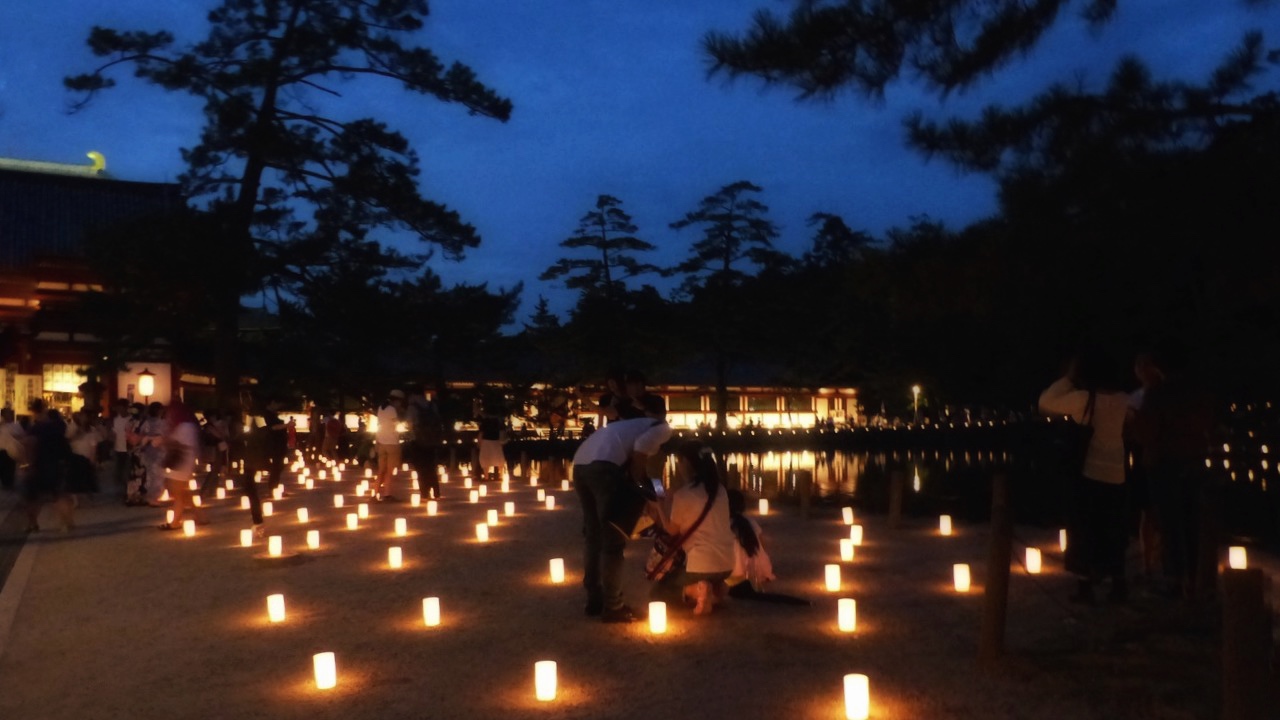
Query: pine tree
[(609, 235)]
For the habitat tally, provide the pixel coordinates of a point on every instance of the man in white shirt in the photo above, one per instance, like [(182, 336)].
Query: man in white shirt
[(120, 443), (388, 440), (603, 468)]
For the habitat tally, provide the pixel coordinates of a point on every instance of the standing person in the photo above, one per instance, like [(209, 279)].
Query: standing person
[(10, 449), (277, 442), (181, 447), (120, 422), (426, 433), (250, 449), (1098, 533), (48, 451), (213, 439), (332, 436), (1174, 427), (83, 436), (1142, 504), (603, 466), (151, 452), (700, 517), (388, 441), (491, 438)]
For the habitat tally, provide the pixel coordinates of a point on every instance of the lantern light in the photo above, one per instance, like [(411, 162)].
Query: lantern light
[(326, 669), (846, 549), (944, 525), (1033, 561), (246, 537), (557, 570), (432, 508), (509, 509), (229, 484), (275, 546), (146, 384), (1237, 557), (855, 534), (268, 508), (431, 611), (544, 680), (168, 517), (338, 500), (193, 485), (847, 614), (833, 578), (482, 532), (275, 608), (362, 510), (551, 502), (415, 499), (657, 617), (857, 697), (542, 495), (847, 515), (303, 515), (278, 492), (484, 490), (763, 506), (1062, 540), (189, 528), (960, 575), (220, 493), (353, 521), (466, 482), (313, 539), (244, 502), (395, 557), (564, 485), (402, 527), (197, 500), (474, 496), (491, 516)]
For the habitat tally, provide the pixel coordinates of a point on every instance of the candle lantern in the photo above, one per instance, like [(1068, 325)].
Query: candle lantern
[(846, 549), (275, 608), (362, 510), (189, 528), (1062, 540), (268, 508), (313, 539), (402, 527), (220, 493), (431, 611), (353, 521), (168, 517), (311, 484), (246, 537), (395, 558), (275, 546), (303, 515), (197, 500), (564, 485), (1033, 561), (544, 680), (542, 495), (482, 532), (326, 669), (415, 499), (847, 614), (466, 482), (509, 509), (244, 502), (551, 502), (193, 485), (1237, 557), (960, 576), (557, 570), (338, 500), (278, 493), (491, 516), (230, 484), (857, 697), (657, 617), (833, 578), (764, 506), (944, 524), (432, 508), (847, 515), (484, 490), (855, 534), (474, 496)]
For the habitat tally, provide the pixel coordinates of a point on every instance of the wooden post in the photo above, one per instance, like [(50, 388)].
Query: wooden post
[(1246, 647), (896, 480), (995, 591)]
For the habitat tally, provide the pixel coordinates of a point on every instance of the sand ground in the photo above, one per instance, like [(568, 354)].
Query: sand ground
[(119, 620)]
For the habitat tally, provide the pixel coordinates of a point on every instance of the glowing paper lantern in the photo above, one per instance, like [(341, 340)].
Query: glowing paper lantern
[(564, 485), (321, 475), (1062, 540), (847, 614), (833, 578), (313, 539), (244, 502), (855, 534), (960, 575), (368, 472), (164, 496), (275, 546), (657, 617), (944, 524), (303, 515), (246, 538), (415, 499), (846, 550), (338, 501), (509, 509), (506, 486), (533, 481), (492, 517), (551, 502), (557, 570), (229, 484), (1033, 561), (362, 510), (482, 532), (484, 490), (544, 680), (432, 508), (542, 495), (326, 668), (431, 611), (311, 485), (193, 485), (1237, 557), (189, 528), (220, 493), (278, 492), (474, 496), (402, 527), (857, 697), (275, 608), (268, 508), (197, 500), (847, 514), (168, 517), (466, 482), (764, 506), (395, 558), (405, 467)]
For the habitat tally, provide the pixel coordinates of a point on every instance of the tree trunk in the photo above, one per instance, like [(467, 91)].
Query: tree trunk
[(722, 392)]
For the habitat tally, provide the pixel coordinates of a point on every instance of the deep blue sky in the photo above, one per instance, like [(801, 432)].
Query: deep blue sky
[(609, 98)]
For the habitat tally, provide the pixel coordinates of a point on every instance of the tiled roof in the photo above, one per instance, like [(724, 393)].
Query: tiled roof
[(43, 214)]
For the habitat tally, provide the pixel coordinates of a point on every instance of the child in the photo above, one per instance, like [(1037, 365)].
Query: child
[(752, 568)]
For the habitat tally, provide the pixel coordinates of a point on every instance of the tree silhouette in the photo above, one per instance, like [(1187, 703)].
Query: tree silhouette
[(609, 235), (280, 176)]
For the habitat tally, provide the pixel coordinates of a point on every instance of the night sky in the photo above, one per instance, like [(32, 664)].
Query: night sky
[(611, 98)]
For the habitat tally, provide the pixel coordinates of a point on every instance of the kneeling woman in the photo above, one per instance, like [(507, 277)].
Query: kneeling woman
[(699, 520)]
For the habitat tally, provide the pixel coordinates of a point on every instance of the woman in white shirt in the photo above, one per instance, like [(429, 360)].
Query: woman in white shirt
[(1097, 532), (701, 509)]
